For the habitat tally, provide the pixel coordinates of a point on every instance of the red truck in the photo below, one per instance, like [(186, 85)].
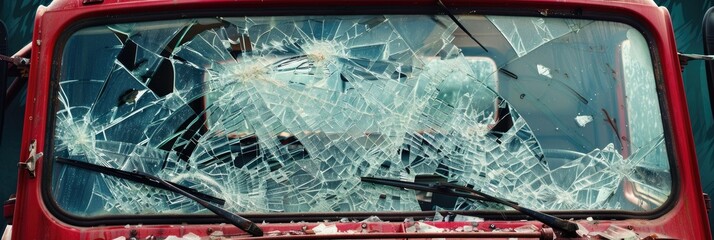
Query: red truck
[(528, 119)]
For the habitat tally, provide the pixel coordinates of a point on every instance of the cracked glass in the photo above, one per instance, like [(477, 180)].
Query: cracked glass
[(285, 114)]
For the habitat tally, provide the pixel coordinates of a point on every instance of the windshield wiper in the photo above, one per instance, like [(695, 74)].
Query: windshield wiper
[(150, 180), (458, 23), (467, 192)]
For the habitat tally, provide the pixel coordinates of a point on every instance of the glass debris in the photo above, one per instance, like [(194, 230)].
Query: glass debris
[(419, 227), (325, 229), (526, 228), (372, 219), (583, 120), (582, 230), (614, 232), (285, 114)]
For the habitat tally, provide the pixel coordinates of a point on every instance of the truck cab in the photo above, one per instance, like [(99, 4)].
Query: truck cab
[(355, 119)]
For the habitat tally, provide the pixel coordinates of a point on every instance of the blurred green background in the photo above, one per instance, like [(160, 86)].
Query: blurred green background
[(18, 16)]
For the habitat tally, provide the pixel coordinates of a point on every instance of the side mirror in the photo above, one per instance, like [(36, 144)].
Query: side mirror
[(708, 33)]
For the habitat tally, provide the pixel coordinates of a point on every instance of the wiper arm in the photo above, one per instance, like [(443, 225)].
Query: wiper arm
[(150, 180), (458, 23), (463, 191), (139, 177)]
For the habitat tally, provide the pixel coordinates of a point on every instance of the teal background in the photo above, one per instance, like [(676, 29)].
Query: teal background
[(18, 16), (687, 20)]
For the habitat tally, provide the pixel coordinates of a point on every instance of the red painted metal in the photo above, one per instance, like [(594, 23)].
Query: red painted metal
[(380, 230), (685, 220)]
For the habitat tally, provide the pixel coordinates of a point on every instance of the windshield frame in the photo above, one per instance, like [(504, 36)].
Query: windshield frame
[(67, 217)]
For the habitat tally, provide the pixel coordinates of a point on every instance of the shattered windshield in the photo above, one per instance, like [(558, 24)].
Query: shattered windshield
[(285, 114)]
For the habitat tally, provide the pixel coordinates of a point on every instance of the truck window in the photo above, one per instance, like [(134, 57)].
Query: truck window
[(286, 113)]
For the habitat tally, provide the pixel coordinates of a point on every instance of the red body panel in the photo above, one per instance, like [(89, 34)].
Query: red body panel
[(686, 220)]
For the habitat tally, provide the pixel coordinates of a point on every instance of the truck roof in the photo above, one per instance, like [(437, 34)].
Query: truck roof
[(74, 4)]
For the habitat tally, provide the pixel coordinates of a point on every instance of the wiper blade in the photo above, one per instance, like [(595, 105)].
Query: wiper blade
[(458, 23), (150, 180), (139, 177), (467, 192), (430, 188)]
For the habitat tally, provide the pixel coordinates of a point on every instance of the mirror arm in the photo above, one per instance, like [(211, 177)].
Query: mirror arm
[(684, 58), (18, 66)]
